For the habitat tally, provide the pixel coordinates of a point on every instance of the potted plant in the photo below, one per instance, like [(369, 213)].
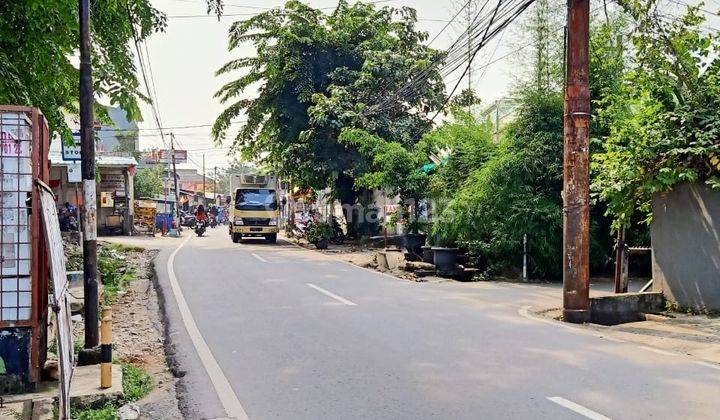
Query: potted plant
[(319, 234), (413, 239), (445, 257)]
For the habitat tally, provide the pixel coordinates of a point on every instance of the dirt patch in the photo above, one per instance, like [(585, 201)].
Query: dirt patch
[(694, 335), (138, 334)]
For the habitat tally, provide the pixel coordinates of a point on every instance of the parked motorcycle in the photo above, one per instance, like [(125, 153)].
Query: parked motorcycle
[(302, 223), (200, 226), (338, 236), (187, 219)]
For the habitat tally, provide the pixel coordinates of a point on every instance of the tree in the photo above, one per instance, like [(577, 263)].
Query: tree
[(664, 114), (39, 38), (316, 74), (148, 182)]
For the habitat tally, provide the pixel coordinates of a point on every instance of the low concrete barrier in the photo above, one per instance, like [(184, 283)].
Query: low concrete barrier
[(624, 307)]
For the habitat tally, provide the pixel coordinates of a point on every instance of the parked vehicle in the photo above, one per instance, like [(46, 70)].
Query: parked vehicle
[(302, 222), (338, 236), (187, 219)]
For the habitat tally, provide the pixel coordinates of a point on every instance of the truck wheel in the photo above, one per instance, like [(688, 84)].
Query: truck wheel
[(271, 238), (236, 237)]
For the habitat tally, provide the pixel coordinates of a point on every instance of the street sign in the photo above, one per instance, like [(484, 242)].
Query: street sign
[(163, 156), (72, 153), (60, 304), (74, 172)]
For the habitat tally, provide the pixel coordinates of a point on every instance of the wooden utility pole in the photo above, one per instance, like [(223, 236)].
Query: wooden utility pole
[(576, 193), (89, 208)]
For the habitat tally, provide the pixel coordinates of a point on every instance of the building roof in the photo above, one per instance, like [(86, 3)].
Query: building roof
[(103, 160)]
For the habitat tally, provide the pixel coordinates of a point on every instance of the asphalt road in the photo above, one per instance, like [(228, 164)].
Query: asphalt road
[(278, 332)]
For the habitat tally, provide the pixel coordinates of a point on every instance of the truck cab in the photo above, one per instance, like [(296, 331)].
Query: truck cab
[(254, 208)]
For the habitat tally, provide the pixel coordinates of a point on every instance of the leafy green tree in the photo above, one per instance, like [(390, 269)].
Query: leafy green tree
[(39, 38), (148, 182), (663, 115), (316, 74)]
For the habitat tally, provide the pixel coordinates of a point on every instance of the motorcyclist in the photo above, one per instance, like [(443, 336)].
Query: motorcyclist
[(200, 214)]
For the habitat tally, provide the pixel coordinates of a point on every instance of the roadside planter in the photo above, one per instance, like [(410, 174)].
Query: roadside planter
[(445, 259), (413, 242), (427, 254)]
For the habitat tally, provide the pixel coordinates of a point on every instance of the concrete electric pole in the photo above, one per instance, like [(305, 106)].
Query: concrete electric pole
[(89, 208), (576, 194)]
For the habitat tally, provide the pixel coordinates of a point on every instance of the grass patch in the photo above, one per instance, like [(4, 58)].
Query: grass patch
[(108, 412), (136, 382), (114, 271), (124, 248)]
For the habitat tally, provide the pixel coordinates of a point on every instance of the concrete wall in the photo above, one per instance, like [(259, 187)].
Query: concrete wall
[(686, 246)]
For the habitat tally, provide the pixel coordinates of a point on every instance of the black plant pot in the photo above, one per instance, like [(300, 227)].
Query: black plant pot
[(413, 242), (445, 259), (322, 244), (427, 254)]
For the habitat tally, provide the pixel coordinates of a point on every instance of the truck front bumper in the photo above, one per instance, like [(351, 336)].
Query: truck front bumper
[(255, 230)]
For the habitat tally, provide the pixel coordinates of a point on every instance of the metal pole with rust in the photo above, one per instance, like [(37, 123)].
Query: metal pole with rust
[(89, 207), (576, 193), (106, 348), (619, 257)]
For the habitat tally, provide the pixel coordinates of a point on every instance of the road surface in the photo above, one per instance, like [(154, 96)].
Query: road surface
[(278, 332)]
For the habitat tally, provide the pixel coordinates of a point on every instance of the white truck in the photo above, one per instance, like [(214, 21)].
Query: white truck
[(254, 209)]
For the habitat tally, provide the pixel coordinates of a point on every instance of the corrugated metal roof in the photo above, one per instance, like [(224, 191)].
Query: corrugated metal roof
[(102, 160)]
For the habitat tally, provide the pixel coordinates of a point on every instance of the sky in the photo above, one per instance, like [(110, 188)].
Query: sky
[(183, 60), (181, 63)]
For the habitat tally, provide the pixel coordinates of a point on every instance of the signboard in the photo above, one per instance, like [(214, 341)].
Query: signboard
[(112, 182), (163, 156), (60, 303), (74, 172), (72, 153)]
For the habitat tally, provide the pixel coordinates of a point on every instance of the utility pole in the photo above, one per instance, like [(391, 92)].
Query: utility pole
[(203, 178), (576, 193), (174, 171), (215, 185), (89, 212)]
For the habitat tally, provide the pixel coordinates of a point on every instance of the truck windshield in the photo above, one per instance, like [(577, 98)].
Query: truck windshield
[(256, 199)]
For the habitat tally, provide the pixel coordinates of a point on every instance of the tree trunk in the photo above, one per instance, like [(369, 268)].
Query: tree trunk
[(345, 188)]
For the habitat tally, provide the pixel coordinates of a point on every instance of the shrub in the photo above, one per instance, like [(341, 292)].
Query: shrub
[(319, 231)]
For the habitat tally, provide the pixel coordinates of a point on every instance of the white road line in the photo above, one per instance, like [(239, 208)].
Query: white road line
[(261, 259), (331, 294), (658, 351), (585, 412), (225, 393), (708, 365)]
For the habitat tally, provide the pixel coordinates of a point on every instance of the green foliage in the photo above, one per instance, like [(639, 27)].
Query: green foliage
[(148, 182), (316, 74), (463, 145), (318, 231), (664, 116), (136, 382), (108, 412), (516, 191), (39, 43), (114, 272)]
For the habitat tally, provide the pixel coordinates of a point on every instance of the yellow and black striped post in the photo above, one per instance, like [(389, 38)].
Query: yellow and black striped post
[(106, 348)]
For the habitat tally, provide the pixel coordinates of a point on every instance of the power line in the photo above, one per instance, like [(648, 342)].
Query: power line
[(177, 127)]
